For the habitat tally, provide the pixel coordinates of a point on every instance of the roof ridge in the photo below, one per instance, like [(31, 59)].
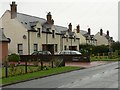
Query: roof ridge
[(61, 26), (28, 15)]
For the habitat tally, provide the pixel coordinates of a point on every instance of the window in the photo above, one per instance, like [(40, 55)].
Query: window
[(20, 49), (89, 41), (39, 32), (56, 48), (65, 47), (74, 38), (26, 23), (35, 47), (53, 33), (67, 38)]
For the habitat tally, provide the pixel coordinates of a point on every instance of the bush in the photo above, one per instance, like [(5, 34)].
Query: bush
[(14, 57)]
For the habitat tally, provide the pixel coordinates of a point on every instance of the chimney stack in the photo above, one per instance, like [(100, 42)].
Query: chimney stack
[(101, 32), (70, 27), (78, 29), (49, 18), (89, 31), (107, 33), (13, 10)]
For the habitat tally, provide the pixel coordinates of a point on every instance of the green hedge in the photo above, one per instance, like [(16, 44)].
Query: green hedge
[(14, 57)]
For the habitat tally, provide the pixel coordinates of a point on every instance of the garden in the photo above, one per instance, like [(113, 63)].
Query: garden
[(14, 70)]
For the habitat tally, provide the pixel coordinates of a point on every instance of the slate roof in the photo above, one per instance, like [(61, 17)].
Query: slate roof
[(61, 29), (2, 36), (83, 32), (28, 20)]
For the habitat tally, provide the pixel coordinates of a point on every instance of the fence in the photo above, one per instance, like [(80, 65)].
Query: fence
[(31, 63), (82, 58)]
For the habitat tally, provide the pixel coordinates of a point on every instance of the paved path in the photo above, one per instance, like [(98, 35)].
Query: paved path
[(87, 65), (104, 76)]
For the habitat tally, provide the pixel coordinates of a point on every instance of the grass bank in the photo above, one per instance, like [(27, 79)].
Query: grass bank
[(39, 74), (104, 59)]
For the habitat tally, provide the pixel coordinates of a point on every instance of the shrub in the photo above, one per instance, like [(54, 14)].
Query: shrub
[(14, 57)]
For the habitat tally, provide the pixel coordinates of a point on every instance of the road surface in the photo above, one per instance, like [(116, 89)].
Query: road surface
[(104, 76)]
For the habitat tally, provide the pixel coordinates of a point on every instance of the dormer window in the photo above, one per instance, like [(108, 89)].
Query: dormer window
[(74, 38), (39, 32), (67, 38), (53, 34), (32, 27), (26, 23)]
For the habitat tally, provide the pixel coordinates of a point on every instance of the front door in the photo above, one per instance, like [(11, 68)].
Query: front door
[(48, 47)]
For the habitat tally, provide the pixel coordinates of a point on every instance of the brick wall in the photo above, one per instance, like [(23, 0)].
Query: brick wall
[(3, 50)]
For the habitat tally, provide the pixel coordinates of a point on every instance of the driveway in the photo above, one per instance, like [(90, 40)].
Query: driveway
[(86, 64)]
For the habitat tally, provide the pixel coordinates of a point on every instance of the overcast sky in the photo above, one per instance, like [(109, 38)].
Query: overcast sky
[(95, 14)]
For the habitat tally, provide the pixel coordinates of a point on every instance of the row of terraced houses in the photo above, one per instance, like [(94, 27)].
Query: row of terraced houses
[(27, 34)]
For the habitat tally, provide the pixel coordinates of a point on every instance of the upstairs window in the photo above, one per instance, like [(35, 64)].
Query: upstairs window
[(74, 38), (67, 38), (39, 32), (53, 34), (26, 23)]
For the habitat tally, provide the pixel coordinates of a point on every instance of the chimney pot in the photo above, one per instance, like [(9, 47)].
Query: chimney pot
[(13, 2)]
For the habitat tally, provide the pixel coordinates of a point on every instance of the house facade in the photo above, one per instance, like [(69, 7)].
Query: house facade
[(103, 39), (85, 36), (29, 33)]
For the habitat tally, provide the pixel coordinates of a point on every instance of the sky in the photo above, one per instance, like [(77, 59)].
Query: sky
[(94, 14)]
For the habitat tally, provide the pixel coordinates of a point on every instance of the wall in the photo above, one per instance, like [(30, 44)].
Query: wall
[(82, 38), (15, 31), (3, 51), (101, 40)]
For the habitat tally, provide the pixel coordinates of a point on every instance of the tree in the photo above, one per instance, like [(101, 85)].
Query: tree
[(115, 46), (100, 49), (94, 49)]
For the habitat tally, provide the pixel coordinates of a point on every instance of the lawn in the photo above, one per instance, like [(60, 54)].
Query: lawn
[(104, 58), (19, 70), (37, 74)]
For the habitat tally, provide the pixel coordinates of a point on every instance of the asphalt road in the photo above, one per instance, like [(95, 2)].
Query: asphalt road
[(104, 76)]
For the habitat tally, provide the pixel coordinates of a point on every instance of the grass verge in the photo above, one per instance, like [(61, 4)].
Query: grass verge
[(104, 59), (39, 74)]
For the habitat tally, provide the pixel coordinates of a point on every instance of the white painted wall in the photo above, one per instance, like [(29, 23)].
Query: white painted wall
[(82, 38), (15, 31), (101, 40)]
